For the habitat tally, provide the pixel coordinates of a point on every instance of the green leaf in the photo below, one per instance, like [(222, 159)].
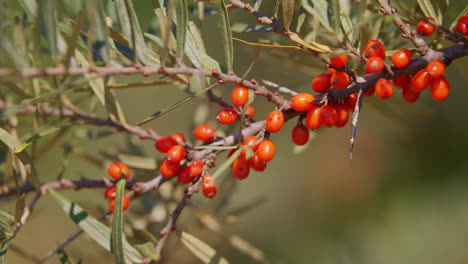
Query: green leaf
[(347, 25), (148, 250), (47, 15), (269, 46), (100, 30), (172, 107), (257, 4), (64, 258), (320, 11), (226, 34), (300, 18), (245, 28), (202, 250), (19, 207), (335, 10), (96, 230), (139, 162), (182, 23), (42, 133), (288, 12), (221, 168), (6, 233), (117, 223), (73, 40), (427, 8)]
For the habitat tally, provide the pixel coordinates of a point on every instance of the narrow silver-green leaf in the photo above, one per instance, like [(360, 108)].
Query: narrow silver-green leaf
[(64, 258), (117, 223), (300, 18), (335, 11), (202, 250), (427, 8), (347, 25), (19, 207), (221, 168), (182, 24), (6, 233), (319, 11), (148, 250), (47, 8), (288, 12), (257, 4), (100, 32), (42, 133), (96, 230), (226, 34)]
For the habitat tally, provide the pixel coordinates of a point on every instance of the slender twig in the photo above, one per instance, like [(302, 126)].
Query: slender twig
[(280, 88)]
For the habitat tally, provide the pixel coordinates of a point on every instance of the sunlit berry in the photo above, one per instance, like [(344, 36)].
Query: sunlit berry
[(374, 48), (300, 135), (241, 167), (312, 119), (109, 193), (257, 164), (410, 95), (125, 203), (116, 169), (462, 25), (350, 101), (227, 116), (208, 186), (302, 102), (274, 121), (169, 168), (204, 132), (266, 150), (178, 137), (383, 88), (342, 114), (339, 61), (196, 167), (440, 88), (421, 80), (321, 82), (176, 153), (424, 28), (328, 115), (339, 80), (239, 95), (251, 140), (435, 69), (374, 64), (401, 58), (163, 144), (402, 81), (184, 176)]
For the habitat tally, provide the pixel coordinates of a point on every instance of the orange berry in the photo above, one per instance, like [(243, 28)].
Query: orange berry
[(374, 48), (410, 95), (339, 80), (196, 168), (249, 141), (274, 121), (425, 28), (257, 164), (339, 61), (184, 176), (328, 115), (227, 116), (178, 137), (421, 80), (321, 82), (110, 192), (239, 95), (125, 203), (374, 65), (402, 81), (250, 111), (350, 101), (169, 168), (302, 102), (401, 58), (300, 135), (176, 153), (204, 132), (369, 92), (342, 113), (462, 25), (440, 88), (312, 119), (241, 168), (266, 150), (116, 169), (208, 186), (435, 69), (331, 71), (163, 144), (383, 88)]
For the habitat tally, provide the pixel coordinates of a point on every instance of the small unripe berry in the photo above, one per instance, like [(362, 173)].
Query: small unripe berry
[(208, 186), (274, 121), (401, 58), (302, 102), (110, 192), (266, 150), (321, 83), (339, 61), (374, 48), (163, 144), (435, 69), (342, 113), (339, 80), (176, 153), (241, 168), (425, 28), (328, 115), (300, 135), (116, 169), (125, 204), (239, 95), (374, 65), (312, 119), (410, 95), (402, 81), (421, 80), (440, 89), (257, 164), (227, 116), (204, 132), (383, 88), (169, 168)]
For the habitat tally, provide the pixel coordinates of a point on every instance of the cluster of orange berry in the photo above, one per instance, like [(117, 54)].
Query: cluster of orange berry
[(115, 171)]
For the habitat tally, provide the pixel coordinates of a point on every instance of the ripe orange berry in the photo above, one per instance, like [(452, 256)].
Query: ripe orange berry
[(342, 113), (462, 25), (178, 137), (169, 168), (321, 82), (425, 28), (163, 144), (302, 102), (184, 176), (374, 49), (266, 150), (402, 81), (249, 141), (339, 61), (125, 203), (369, 92), (116, 169), (208, 186), (421, 80), (410, 95), (312, 119), (300, 135), (241, 168), (239, 95), (110, 192), (328, 115), (440, 88), (435, 69), (331, 71), (339, 80), (227, 116), (204, 132), (383, 88), (274, 121), (176, 153), (196, 168), (374, 65), (401, 58), (257, 164), (250, 111), (350, 101)]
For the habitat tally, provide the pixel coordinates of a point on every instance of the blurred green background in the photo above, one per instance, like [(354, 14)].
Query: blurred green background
[(402, 199)]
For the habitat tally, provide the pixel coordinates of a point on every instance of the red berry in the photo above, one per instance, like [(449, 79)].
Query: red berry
[(402, 81), (227, 116), (257, 164), (116, 169), (208, 186), (249, 141), (383, 88), (241, 168), (321, 83), (425, 28), (266, 150), (462, 25), (374, 65), (110, 192), (178, 137), (339, 61), (331, 71), (435, 69), (374, 49), (196, 168), (421, 80), (176, 153), (339, 80), (342, 113), (300, 135), (125, 203), (239, 95), (440, 88), (410, 95), (204, 132), (184, 176), (169, 168), (163, 144), (350, 101), (328, 115), (250, 111), (369, 92), (312, 119), (274, 121), (401, 58), (302, 102)]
